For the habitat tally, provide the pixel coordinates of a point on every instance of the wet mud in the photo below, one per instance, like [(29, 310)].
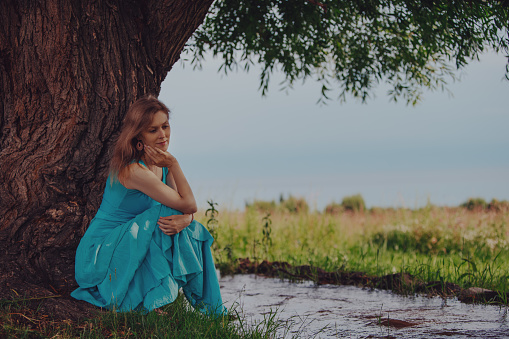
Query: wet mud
[(310, 310)]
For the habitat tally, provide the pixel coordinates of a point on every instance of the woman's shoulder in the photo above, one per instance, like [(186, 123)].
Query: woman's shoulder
[(137, 174), (134, 167)]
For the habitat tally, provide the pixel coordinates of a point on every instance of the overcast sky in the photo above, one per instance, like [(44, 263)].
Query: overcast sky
[(236, 146)]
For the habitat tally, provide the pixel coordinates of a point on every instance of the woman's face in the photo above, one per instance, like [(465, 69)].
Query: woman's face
[(157, 135)]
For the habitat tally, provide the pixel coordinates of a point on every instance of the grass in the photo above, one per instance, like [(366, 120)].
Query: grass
[(467, 247), (18, 320)]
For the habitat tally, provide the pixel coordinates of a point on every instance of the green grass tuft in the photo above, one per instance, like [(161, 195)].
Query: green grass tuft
[(179, 320)]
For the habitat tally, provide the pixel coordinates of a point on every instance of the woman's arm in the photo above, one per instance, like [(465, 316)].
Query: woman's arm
[(170, 181), (173, 224), (144, 180)]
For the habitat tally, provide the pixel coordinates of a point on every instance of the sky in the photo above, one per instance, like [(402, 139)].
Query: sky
[(236, 146)]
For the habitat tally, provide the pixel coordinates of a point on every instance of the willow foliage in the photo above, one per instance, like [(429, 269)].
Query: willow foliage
[(351, 46)]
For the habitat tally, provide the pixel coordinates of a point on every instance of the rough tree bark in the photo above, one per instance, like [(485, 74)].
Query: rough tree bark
[(68, 72)]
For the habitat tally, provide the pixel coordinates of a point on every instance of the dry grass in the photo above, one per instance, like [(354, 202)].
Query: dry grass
[(454, 244)]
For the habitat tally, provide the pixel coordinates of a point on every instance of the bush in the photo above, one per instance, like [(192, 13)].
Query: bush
[(473, 204), (262, 206), (291, 204), (294, 205), (353, 203), (377, 210), (333, 208), (498, 206)]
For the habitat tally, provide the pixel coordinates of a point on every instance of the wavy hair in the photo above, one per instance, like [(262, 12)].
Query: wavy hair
[(138, 118)]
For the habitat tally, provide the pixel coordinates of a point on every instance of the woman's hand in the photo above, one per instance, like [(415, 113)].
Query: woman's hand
[(173, 224), (159, 157)]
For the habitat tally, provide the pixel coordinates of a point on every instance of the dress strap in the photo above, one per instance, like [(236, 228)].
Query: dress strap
[(165, 170), (165, 174)]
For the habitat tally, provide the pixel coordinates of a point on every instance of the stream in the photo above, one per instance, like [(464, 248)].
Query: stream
[(330, 311)]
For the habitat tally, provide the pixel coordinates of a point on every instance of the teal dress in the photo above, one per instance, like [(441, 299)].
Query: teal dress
[(125, 262)]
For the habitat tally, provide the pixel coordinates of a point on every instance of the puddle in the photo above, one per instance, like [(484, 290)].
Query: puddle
[(330, 311)]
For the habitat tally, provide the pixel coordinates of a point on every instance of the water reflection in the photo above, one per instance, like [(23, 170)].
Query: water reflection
[(345, 311)]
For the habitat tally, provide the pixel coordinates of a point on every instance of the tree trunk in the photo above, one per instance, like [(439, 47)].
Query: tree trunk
[(68, 72)]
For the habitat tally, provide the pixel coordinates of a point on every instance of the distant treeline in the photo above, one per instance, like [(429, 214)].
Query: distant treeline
[(355, 203)]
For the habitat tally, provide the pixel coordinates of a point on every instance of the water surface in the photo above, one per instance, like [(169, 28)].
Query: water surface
[(329, 311)]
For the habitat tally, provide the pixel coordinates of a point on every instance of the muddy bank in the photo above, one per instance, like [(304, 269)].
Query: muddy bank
[(402, 283)]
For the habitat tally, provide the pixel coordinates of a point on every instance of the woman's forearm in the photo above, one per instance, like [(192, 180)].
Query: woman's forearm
[(170, 181), (183, 189), (144, 180)]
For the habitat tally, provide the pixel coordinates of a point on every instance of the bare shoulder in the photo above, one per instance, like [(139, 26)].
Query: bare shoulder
[(136, 174)]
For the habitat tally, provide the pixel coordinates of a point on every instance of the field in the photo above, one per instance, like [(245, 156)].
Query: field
[(467, 246)]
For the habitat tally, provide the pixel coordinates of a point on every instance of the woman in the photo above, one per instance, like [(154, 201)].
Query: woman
[(142, 245)]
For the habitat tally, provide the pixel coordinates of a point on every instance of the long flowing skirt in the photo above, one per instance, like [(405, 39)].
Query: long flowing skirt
[(136, 266)]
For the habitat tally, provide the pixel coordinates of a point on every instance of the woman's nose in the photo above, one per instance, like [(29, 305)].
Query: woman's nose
[(161, 133)]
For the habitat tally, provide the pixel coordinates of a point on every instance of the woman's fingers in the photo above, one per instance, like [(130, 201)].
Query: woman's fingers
[(157, 150), (169, 232), (168, 229), (169, 225), (173, 224), (170, 217), (181, 219), (160, 157), (166, 222), (150, 154)]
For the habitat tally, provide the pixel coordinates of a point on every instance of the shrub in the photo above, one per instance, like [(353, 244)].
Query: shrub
[(353, 203), (377, 210), (294, 205), (333, 208), (498, 206), (474, 204), (262, 206)]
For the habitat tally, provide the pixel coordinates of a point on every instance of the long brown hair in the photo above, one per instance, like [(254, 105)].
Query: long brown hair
[(138, 118)]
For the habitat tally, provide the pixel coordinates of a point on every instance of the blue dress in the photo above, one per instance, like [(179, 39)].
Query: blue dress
[(125, 262)]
